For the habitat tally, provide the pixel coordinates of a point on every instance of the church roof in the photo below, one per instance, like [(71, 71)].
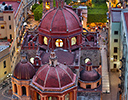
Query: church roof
[(58, 21), (24, 70), (88, 76), (56, 78)]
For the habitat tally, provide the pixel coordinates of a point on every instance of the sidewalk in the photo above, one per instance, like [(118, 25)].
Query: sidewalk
[(105, 74)]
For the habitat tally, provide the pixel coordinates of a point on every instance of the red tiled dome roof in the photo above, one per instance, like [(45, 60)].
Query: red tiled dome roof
[(92, 75), (58, 21), (56, 78), (24, 70)]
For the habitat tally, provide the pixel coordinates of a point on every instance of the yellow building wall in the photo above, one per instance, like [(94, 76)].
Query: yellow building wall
[(5, 71)]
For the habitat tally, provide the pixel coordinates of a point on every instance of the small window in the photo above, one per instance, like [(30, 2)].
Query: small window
[(116, 32), (98, 84), (115, 49), (15, 88), (2, 26), (73, 41), (88, 86), (4, 64), (38, 96), (59, 43), (23, 90), (10, 36), (5, 72), (67, 96), (10, 27), (115, 40), (45, 40), (115, 57), (1, 18), (9, 17), (52, 98), (115, 65)]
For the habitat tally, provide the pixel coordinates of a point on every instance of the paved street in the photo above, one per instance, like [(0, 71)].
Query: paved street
[(4, 94), (114, 76)]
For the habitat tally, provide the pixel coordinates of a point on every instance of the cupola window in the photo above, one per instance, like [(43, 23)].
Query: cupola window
[(15, 88), (59, 43), (52, 98), (23, 90), (67, 96), (38, 96), (73, 41), (45, 40), (47, 5)]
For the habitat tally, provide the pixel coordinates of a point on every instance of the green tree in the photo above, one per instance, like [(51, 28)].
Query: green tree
[(40, 1), (34, 6), (38, 12)]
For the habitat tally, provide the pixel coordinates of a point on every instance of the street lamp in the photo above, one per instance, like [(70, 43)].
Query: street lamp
[(112, 59)]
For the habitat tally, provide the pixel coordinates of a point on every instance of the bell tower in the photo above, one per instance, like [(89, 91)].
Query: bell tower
[(47, 4)]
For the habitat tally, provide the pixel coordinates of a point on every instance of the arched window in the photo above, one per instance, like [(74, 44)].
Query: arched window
[(52, 98), (73, 41), (23, 90), (45, 40), (38, 96), (59, 43), (15, 88), (47, 5), (10, 36), (67, 96), (32, 60), (86, 60)]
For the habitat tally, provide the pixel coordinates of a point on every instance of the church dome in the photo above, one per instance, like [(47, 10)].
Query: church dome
[(56, 78), (24, 70), (92, 75), (58, 21)]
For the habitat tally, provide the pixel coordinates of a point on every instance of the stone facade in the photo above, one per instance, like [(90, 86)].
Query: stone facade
[(93, 55)]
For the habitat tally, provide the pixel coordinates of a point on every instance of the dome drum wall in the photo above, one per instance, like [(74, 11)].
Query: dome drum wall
[(89, 79), (93, 84), (67, 42), (59, 95), (17, 88)]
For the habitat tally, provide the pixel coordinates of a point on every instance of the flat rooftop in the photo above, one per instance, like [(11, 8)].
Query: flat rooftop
[(14, 4), (116, 15), (3, 47)]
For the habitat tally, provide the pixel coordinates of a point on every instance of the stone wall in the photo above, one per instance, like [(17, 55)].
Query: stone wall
[(94, 55)]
